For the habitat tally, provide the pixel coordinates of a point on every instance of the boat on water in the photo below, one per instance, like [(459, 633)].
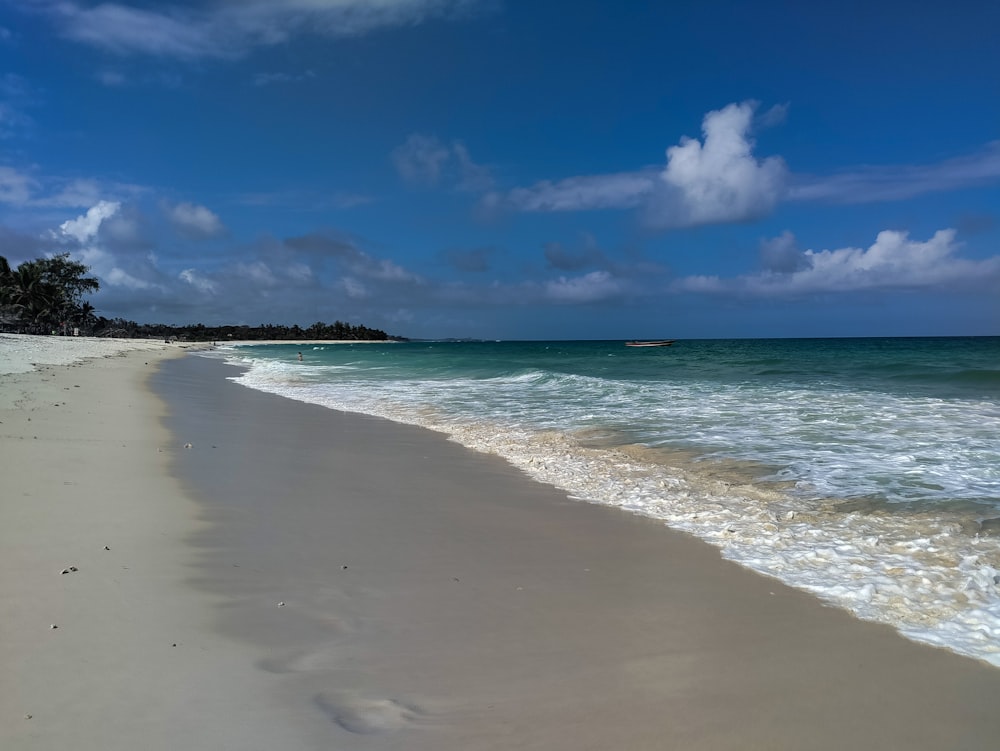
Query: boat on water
[(656, 343)]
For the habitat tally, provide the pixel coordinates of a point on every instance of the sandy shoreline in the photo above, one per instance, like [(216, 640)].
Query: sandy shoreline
[(85, 486), (334, 581)]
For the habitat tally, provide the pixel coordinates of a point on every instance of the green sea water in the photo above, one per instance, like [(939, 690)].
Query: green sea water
[(864, 470)]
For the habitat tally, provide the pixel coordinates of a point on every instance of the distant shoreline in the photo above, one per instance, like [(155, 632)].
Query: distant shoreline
[(303, 342)]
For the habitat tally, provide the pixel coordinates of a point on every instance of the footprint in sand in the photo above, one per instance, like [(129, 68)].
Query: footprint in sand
[(368, 716)]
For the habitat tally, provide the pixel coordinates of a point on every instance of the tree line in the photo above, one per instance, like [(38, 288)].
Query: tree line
[(46, 296)]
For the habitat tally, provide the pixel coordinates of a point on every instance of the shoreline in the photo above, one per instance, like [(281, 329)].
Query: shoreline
[(333, 580), (436, 597), (922, 568)]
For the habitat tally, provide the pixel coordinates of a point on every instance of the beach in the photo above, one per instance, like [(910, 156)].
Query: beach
[(248, 571)]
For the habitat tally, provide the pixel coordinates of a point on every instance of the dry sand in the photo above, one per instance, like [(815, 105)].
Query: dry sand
[(83, 461), (333, 581)]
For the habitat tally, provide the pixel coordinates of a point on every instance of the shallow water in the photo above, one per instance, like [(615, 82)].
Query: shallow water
[(866, 471)]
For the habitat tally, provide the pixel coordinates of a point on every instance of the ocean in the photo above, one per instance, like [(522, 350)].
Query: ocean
[(865, 471)]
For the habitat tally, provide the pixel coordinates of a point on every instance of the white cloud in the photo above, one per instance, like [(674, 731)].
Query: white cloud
[(120, 28), (25, 189), (195, 221), (108, 269), (782, 253), (592, 287), (718, 180), (617, 191), (76, 193), (898, 182), (893, 261), (714, 181), (231, 29), (84, 228), (16, 187), (197, 280), (258, 272), (121, 278)]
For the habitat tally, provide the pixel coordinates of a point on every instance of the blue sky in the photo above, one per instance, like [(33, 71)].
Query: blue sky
[(511, 169)]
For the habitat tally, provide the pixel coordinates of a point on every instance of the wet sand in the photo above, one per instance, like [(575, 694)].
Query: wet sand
[(435, 598), (301, 578)]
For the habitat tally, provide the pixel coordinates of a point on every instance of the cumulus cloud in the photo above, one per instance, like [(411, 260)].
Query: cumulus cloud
[(84, 228), (232, 29), (195, 221), (782, 254), (714, 181), (126, 273), (893, 261), (126, 231), (717, 180), (118, 277), (426, 160)]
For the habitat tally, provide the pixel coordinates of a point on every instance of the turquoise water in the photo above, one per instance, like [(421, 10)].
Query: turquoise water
[(864, 470)]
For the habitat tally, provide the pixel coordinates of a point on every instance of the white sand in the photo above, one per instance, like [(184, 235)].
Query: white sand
[(83, 466), (435, 598), (20, 353)]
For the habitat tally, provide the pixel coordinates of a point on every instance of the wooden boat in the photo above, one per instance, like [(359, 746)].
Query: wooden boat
[(657, 343)]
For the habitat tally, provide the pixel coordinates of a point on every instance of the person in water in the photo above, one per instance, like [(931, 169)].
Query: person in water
[(300, 357)]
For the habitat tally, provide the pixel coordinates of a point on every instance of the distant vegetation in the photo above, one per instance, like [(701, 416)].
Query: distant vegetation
[(46, 296)]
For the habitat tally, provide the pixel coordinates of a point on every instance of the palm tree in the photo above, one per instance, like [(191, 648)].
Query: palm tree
[(47, 292), (5, 280), (85, 317), (29, 293)]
